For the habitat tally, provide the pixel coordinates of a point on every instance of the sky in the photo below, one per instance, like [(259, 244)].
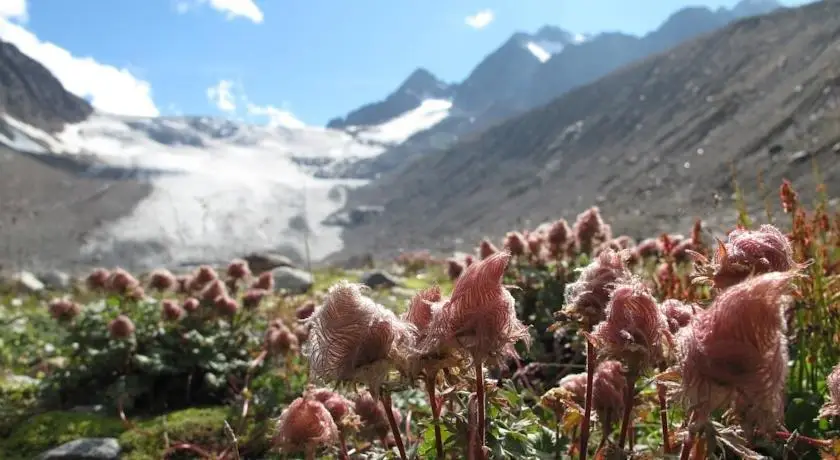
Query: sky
[(290, 62)]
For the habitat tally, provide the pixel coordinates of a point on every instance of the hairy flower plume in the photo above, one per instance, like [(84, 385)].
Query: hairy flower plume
[(635, 328), (480, 315), (747, 252), (353, 339), (305, 425), (677, 313), (515, 243), (735, 353), (590, 230), (486, 249), (587, 297)]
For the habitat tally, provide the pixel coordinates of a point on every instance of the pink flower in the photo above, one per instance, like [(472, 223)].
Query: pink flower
[(747, 252), (191, 304), (735, 352), (122, 282), (238, 269), (634, 328), (354, 339), (421, 309), (590, 230), (162, 280), (454, 268), (305, 425), (64, 309), (587, 297), (678, 314), (279, 340), (373, 418), (171, 311), (480, 316), (515, 243), (98, 279), (226, 305), (650, 247), (559, 237), (486, 249), (121, 327), (264, 281), (253, 298), (214, 290), (305, 311)]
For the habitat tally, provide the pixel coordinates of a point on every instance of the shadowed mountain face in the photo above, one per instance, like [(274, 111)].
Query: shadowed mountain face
[(31, 94), (525, 72), (653, 144)]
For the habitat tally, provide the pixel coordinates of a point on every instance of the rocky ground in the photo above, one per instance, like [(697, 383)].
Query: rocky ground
[(46, 212), (654, 145)]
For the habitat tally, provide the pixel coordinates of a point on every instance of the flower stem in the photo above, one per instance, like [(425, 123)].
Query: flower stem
[(395, 429), (433, 403), (689, 442), (587, 406), (663, 418), (628, 409), (480, 402), (343, 445)]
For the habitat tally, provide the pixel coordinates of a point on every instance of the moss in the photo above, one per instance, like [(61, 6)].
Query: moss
[(45, 431), (203, 427)]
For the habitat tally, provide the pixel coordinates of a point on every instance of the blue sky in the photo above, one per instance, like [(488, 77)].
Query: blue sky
[(314, 59)]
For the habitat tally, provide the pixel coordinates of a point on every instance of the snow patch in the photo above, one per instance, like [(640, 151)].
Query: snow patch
[(397, 130), (538, 51)]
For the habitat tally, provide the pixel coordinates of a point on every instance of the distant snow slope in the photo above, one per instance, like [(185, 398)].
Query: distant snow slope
[(396, 130), (230, 188)]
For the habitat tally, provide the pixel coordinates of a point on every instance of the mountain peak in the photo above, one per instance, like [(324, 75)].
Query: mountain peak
[(420, 85)]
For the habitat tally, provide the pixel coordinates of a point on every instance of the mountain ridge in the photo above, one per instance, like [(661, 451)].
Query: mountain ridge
[(651, 143)]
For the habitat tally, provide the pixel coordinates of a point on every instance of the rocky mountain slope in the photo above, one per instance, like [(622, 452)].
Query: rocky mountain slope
[(529, 70), (653, 143), (31, 94)]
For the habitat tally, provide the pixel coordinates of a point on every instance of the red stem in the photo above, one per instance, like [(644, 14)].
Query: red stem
[(628, 410), (479, 395), (433, 403), (818, 443), (689, 443), (343, 445), (587, 407), (395, 429), (663, 418)]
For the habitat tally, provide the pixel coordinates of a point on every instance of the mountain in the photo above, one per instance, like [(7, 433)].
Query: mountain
[(652, 143), (31, 94), (81, 188), (418, 87), (529, 70)]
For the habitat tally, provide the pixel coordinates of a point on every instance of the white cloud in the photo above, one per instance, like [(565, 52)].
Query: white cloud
[(230, 97), (222, 96), (108, 88), (231, 8), (14, 10), (276, 116), (480, 20)]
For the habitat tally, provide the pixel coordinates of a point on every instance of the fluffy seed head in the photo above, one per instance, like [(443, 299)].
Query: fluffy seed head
[(64, 309), (590, 230), (587, 297), (238, 269), (214, 290), (634, 329), (304, 311), (831, 408), (264, 281), (191, 304), (305, 424), (354, 339), (373, 418), (253, 298), (454, 268), (480, 316), (121, 327), (737, 347), (98, 279), (171, 311), (162, 280), (225, 305), (678, 313), (515, 243), (122, 282), (486, 249)]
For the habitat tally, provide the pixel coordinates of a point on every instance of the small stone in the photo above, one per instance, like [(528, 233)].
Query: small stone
[(266, 261), (28, 283), (379, 279), (292, 280), (85, 449)]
